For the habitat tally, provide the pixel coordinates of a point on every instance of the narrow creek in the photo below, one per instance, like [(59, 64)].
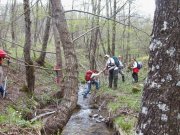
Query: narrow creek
[(81, 124)]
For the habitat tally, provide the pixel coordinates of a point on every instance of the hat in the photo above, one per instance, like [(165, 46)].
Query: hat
[(119, 56), (107, 56)]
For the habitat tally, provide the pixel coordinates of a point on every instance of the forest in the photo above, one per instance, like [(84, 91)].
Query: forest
[(96, 68)]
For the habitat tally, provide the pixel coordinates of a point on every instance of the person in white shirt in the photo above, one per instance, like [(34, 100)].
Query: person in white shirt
[(135, 70), (113, 71)]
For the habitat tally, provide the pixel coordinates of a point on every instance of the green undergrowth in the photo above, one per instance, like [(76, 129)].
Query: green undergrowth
[(14, 118)]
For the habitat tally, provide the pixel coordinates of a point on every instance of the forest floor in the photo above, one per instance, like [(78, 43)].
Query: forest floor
[(17, 107)]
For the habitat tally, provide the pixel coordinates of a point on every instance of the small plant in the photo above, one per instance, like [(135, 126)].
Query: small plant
[(136, 89), (126, 123)]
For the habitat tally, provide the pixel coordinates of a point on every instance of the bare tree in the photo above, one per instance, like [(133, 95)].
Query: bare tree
[(41, 59), (4, 31), (69, 101), (129, 27), (114, 29), (30, 77), (36, 16), (13, 28), (108, 27), (94, 34), (160, 111), (59, 62)]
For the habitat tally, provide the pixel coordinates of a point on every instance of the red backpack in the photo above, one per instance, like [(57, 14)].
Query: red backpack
[(88, 74)]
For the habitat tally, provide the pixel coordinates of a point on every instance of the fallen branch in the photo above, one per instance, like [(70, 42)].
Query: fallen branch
[(42, 115), (99, 109)]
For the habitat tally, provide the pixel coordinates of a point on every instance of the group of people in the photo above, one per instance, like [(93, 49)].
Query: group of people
[(114, 66)]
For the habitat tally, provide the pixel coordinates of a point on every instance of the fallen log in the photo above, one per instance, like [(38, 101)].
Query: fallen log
[(42, 115)]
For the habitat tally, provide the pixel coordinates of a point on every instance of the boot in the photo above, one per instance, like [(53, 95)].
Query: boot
[(123, 79)]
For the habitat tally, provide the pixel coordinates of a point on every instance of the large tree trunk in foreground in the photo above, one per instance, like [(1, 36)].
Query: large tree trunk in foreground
[(56, 122), (160, 111), (30, 77)]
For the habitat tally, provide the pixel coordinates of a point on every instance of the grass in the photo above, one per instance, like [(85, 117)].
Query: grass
[(126, 123)]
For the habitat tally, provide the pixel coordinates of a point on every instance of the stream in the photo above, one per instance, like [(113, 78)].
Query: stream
[(81, 123)]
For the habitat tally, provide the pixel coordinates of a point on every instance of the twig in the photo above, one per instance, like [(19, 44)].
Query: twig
[(99, 109)]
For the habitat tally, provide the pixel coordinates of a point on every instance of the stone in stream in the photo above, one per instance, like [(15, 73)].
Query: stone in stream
[(103, 120), (98, 121), (90, 115), (100, 117), (95, 115)]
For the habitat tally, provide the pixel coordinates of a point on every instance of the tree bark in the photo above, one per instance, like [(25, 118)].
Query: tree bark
[(160, 111), (30, 77), (57, 121)]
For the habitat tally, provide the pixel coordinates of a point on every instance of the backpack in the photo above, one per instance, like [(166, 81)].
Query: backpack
[(88, 74), (139, 65), (116, 60)]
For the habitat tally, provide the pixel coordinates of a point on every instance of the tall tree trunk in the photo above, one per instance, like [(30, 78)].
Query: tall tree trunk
[(123, 34), (59, 61), (56, 122), (35, 37), (30, 77), (114, 30), (128, 36), (13, 31), (41, 59), (36, 15), (94, 35), (108, 27), (2, 29), (160, 111)]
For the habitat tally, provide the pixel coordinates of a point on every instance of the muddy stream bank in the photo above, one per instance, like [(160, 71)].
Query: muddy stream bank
[(86, 121)]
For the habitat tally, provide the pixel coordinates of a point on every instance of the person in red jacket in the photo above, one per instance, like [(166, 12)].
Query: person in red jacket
[(92, 79), (135, 70), (3, 55)]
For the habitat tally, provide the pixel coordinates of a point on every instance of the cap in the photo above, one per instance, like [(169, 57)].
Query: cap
[(107, 56)]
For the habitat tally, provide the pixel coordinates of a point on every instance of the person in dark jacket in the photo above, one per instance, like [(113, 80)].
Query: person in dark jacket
[(121, 66), (113, 71)]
